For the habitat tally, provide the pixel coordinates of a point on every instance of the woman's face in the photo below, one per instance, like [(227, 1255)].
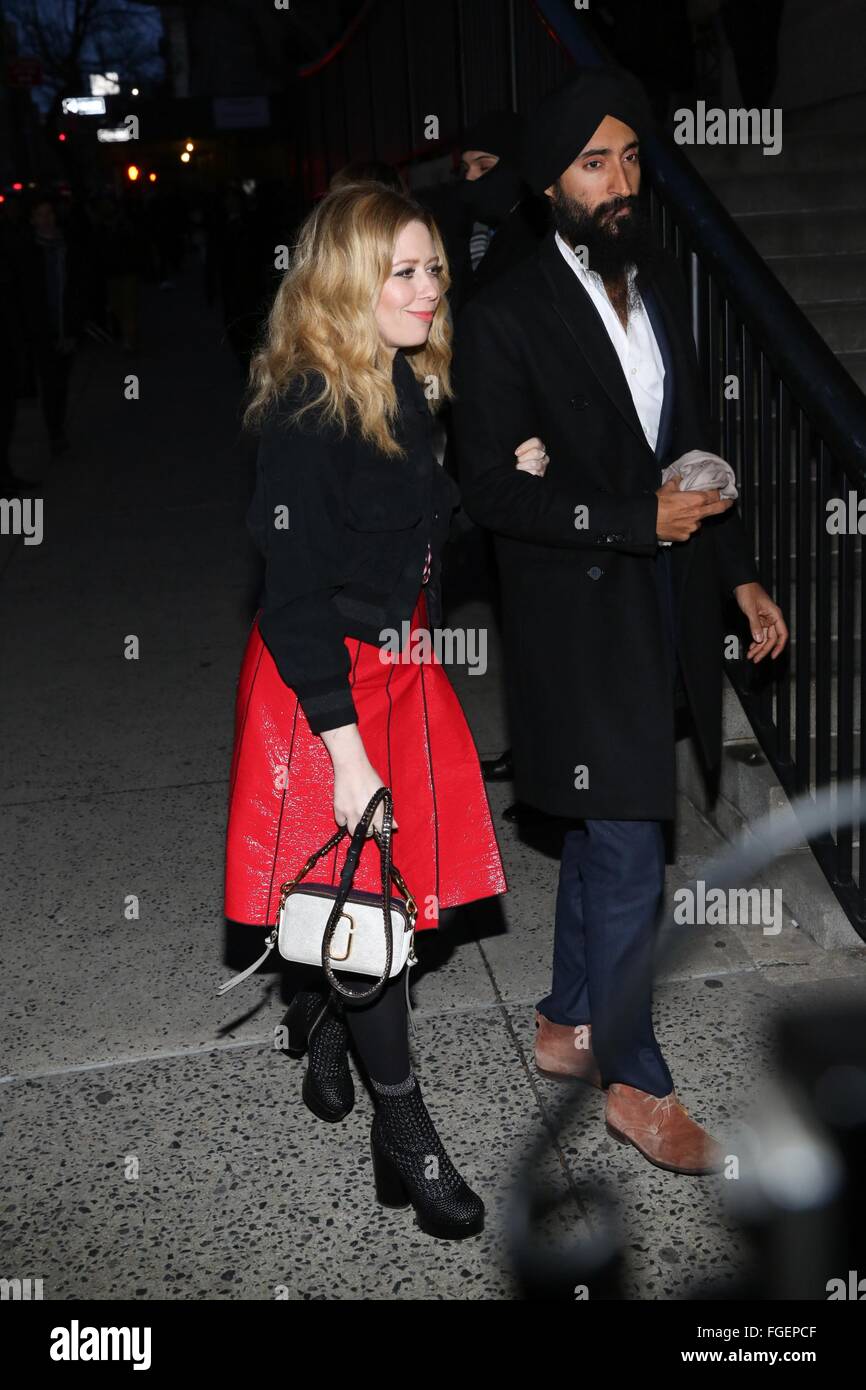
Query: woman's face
[(411, 292)]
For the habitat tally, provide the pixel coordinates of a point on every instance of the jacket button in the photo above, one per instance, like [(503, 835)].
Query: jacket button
[(435, 516), (579, 402), (595, 572)]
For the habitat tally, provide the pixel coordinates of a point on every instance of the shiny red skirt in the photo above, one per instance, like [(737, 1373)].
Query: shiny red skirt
[(281, 792)]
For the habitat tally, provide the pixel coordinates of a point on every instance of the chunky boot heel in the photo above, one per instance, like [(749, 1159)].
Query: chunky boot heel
[(295, 1022), (316, 1027), (410, 1162), (390, 1187)]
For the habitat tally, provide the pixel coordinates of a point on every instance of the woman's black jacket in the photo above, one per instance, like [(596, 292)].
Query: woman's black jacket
[(344, 532)]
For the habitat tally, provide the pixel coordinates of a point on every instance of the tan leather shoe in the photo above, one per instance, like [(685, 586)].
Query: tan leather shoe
[(662, 1129), (564, 1051)]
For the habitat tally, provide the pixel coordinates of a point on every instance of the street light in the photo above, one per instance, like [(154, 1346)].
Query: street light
[(184, 159), (189, 146), (133, 172)]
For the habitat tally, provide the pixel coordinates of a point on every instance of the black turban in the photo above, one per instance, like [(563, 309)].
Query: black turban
[(564, 122)]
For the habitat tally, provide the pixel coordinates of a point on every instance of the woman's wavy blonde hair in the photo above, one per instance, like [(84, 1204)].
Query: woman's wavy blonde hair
[(323, 316)]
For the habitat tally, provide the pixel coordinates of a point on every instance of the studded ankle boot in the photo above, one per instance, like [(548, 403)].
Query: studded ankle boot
[(316, 1026), (410, 1165)]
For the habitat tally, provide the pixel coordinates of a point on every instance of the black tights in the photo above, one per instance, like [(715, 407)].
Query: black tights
[(379, 1030)]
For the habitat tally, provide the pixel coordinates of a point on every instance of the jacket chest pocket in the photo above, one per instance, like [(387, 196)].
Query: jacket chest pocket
[(380, 497)]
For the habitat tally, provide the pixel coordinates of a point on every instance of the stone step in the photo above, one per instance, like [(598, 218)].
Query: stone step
[(841, 323), (790, 233), (837, 117), (806, 194), (737, 727), (855, 363), (749, 791), (801, 152), (749, 782), (821, 276)]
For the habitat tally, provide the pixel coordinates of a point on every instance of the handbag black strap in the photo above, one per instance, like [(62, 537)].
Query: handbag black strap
[(285, 888), (389, 872), (353, 854)]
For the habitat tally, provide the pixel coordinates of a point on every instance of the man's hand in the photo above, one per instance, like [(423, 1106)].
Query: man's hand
[(766, 624), (680, 513)]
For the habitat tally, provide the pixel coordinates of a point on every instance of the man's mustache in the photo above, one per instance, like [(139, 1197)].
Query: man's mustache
[(604, 209)]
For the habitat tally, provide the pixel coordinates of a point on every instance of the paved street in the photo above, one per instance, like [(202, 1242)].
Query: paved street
[(154, 1140)]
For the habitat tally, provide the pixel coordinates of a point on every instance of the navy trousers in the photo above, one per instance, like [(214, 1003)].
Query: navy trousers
[(611, 879)]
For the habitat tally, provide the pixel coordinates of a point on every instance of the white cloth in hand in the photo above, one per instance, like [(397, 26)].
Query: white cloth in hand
[(700, 471)]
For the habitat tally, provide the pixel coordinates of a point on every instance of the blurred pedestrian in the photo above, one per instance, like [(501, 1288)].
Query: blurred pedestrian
[(54, 306), (16, 373), (119, 255)]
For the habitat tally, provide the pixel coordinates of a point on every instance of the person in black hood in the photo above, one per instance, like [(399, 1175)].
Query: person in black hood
[(492, 224), (509, 224), (489, 220), (508, 221)]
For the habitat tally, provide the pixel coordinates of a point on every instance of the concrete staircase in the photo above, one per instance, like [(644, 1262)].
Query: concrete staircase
[(805, 212)]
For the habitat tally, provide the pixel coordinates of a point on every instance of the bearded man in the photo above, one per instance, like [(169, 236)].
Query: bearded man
[(612, 585)]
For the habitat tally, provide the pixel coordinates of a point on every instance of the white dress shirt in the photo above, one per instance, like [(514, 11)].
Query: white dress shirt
[(636, 346)]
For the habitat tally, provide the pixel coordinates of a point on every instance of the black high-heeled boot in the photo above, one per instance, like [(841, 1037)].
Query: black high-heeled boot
[(317, 1027), (410, 1165)]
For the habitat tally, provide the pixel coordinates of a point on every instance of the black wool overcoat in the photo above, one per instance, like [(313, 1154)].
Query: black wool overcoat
[(588, 672)]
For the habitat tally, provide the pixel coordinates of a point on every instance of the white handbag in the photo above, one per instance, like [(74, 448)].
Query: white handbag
[(328, 925)]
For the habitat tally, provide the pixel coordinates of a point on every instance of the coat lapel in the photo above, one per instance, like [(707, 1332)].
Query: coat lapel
[(670, 346), (580, 317), (578, 313), (660, 328)]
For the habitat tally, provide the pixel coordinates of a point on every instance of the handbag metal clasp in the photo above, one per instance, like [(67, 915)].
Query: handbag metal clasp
[(351, 922)]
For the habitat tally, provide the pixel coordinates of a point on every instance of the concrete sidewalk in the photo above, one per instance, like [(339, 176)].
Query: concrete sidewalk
[(155, 1142)]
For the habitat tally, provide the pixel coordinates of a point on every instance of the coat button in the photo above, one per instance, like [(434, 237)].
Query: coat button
[(595, 572), (435, 516)]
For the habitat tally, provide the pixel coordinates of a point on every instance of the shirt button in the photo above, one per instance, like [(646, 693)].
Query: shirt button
[(634, 371)]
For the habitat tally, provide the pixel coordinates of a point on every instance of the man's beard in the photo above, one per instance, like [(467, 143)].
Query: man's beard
[(609, 249)]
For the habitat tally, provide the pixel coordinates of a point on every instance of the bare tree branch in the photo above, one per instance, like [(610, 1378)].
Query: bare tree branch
[(73, 37)]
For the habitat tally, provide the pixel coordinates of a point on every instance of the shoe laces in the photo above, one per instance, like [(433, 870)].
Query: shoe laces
[(664, 1105)]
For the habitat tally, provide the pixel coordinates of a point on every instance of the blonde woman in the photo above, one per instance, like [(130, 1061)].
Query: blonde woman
[(351, 512)]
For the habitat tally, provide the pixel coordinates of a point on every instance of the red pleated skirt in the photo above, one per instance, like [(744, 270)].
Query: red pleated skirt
[(281, 789)]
